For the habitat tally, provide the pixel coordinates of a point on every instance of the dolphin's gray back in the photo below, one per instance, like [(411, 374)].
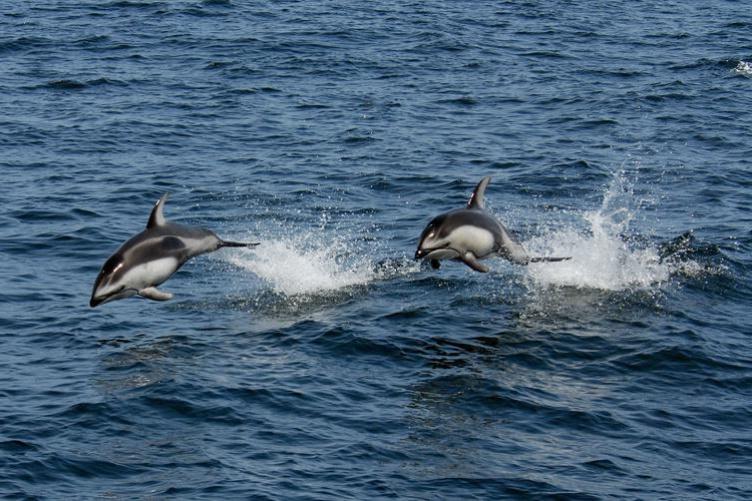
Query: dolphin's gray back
[(170, 240), (185, 232)]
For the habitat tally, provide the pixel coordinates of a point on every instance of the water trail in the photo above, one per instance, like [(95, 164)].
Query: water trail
[(601, 257), (291, 268), (316, 263)]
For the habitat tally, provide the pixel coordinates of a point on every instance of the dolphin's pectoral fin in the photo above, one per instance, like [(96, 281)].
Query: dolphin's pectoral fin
[(470, 260), (154, 294), (435, 264)]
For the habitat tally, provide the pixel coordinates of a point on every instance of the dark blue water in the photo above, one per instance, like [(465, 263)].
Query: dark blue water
[(326, 364)]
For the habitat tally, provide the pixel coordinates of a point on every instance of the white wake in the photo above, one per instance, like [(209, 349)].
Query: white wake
[(315, 263)]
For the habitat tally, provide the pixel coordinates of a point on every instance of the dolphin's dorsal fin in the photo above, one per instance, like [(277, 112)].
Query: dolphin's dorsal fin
[(157, 214), (476, 199)]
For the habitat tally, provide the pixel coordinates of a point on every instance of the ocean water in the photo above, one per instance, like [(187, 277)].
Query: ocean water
[(327, 363)]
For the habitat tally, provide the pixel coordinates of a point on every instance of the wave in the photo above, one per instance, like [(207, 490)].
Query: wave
[(71, 85)]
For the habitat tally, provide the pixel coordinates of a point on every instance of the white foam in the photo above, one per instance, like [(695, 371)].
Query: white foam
[(314, 263), (743, 68), (292, 269), (601, 258)]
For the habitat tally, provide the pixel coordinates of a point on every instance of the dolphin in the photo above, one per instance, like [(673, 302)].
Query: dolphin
[(472, 234), (151, 257)]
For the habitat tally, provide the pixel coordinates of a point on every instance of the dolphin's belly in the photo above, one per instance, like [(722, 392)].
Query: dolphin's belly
[(475, 239), (151, 273)]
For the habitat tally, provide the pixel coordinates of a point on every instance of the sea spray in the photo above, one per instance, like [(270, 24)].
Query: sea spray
[(317, 263), (291, 269), (601, 256)]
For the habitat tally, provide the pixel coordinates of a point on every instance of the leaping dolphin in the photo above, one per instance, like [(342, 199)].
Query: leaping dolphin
[(151, 257), (472, 234)]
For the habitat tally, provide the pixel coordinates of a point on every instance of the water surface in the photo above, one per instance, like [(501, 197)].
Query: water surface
[(326, 363)]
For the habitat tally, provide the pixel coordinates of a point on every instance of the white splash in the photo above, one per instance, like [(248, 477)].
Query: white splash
[(316, 263), (293, 268), (601, 258), (743, 68)]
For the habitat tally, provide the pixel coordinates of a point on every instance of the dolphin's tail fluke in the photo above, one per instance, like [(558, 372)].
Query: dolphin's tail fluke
[(225, 243), (548, 259)]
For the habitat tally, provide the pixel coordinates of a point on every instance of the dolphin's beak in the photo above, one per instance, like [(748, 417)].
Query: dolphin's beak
[(97, 300), (420, 253)]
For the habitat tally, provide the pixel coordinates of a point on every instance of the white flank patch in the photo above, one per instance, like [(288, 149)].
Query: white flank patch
[(149, 273), (471, 238)]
